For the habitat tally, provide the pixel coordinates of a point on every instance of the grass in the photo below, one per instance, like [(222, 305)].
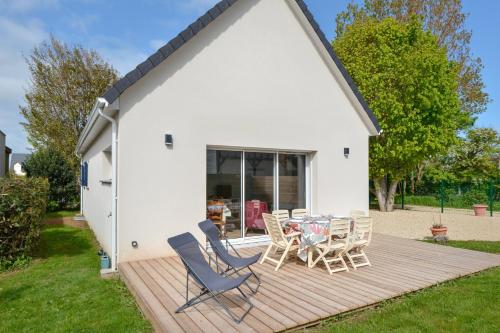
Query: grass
[(469, 304), (61, 291), (61, 213)]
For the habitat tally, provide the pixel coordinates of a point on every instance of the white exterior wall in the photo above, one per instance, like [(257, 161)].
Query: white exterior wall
[(97, 197), (253, 78)]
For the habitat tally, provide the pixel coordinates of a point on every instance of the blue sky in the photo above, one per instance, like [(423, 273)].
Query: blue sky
[(126, 32)]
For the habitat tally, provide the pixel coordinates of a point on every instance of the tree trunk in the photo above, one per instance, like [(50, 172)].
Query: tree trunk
[(385, 194)]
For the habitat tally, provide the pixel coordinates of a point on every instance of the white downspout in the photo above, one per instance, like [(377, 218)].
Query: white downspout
[(81, 187), (114, 181)]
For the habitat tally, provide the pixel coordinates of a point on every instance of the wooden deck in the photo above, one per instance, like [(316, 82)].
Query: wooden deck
[(295, 295)]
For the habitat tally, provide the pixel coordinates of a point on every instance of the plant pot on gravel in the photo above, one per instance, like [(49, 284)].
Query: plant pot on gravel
[(439, 230), (480, 209)]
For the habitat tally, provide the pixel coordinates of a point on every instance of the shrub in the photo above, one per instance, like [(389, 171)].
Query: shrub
[(63, 180), (476, 196), (22, 208)]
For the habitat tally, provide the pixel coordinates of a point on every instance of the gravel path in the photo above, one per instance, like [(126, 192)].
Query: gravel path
[(414, 224)]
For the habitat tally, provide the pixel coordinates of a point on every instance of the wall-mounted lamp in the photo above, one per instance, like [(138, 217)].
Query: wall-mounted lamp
[(346, 152), (134, 244), (169, 140)]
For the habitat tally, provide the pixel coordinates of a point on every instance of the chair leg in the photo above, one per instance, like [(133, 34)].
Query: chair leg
[(266, 253), (284, 255)]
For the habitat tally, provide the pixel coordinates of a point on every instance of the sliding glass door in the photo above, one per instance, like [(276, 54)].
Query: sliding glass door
[(242, 185)]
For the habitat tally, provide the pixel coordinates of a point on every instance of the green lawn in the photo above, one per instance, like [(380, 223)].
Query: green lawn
[(61, 213), (61, 291), (470, 304)]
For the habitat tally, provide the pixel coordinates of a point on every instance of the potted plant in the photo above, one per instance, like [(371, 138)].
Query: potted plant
[(476, 199), (438, 229)]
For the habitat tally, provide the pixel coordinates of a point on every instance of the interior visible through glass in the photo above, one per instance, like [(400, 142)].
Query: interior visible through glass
[(292, 181), (224, 191), (237, 217), (259, 190)]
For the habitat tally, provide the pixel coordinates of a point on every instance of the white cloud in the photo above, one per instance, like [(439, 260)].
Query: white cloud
[(17, 40)]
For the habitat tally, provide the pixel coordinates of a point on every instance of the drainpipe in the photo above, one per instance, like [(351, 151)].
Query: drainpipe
[(102, 103), (81, 187)]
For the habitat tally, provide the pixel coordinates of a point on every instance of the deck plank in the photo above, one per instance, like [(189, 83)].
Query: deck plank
[(296, 295)]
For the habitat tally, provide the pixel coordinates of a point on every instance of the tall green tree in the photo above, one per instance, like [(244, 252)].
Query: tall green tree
[(411, 87), (65, 81), (446, 20), (473, 158)]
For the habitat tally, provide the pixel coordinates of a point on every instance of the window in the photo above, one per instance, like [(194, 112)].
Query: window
[(241, 185), (84, 174)]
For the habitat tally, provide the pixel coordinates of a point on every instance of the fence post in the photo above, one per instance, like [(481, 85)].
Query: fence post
[(441, 195), (403, 188), (490, 197)]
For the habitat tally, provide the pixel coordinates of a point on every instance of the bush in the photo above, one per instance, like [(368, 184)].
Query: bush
[(476, 196), (63, 180), (22, 207)]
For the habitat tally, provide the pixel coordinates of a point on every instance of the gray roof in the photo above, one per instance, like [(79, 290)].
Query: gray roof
[(168, 49), (17, 158)]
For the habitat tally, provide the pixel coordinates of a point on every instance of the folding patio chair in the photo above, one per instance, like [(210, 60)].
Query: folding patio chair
[(337, 248), (299, 212), (361, 238), (281, 214), (234, 263), (358, 213), (211, 283), (279, 240)]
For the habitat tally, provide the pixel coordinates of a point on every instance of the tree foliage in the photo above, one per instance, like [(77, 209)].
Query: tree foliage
[(474, 158), (50, 164), (410, 85), (446, 20), (65, 81), (22, 208)]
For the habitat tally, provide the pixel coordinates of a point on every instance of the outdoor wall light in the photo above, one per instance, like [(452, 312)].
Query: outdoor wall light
[(346, 152), (169, 140), (134, 244)]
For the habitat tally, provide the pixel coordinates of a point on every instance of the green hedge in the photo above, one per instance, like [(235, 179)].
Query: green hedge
[(23, 202)]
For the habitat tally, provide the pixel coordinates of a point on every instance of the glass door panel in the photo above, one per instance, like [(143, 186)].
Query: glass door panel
[(224, 191), (259, 190), (292, 181)]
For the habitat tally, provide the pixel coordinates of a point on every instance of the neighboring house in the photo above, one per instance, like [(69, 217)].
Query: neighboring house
[(16, 163), (247, 107), (4, 155)]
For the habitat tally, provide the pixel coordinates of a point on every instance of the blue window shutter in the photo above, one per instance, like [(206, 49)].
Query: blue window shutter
[(85, 174)]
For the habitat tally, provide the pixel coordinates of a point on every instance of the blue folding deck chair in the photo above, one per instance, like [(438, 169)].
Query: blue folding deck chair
[(234, 264), (211, 283)]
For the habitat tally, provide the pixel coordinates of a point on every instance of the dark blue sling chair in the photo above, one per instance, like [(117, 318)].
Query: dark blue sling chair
[(234, 263), (212, 284)]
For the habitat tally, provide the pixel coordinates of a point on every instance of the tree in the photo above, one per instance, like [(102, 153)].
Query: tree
[(64, 85), (63, 185), (410, 85), (446, 20), (473, 159)]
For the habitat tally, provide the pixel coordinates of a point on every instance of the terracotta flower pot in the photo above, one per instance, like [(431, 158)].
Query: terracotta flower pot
[(439, 231), (480, 209)]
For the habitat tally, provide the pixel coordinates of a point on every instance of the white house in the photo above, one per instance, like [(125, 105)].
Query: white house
[(248, 109), (16, 164)]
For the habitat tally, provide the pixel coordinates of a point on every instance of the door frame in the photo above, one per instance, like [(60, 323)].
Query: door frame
[(308, 186)]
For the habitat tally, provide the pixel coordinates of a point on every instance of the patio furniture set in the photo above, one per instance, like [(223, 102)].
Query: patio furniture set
[(328, 237)]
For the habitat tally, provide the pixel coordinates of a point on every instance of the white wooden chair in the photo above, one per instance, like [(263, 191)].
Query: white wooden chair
[(279, 240), (357, 213), (300, 212), (281, 214), (336, 248), (362, 237)]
